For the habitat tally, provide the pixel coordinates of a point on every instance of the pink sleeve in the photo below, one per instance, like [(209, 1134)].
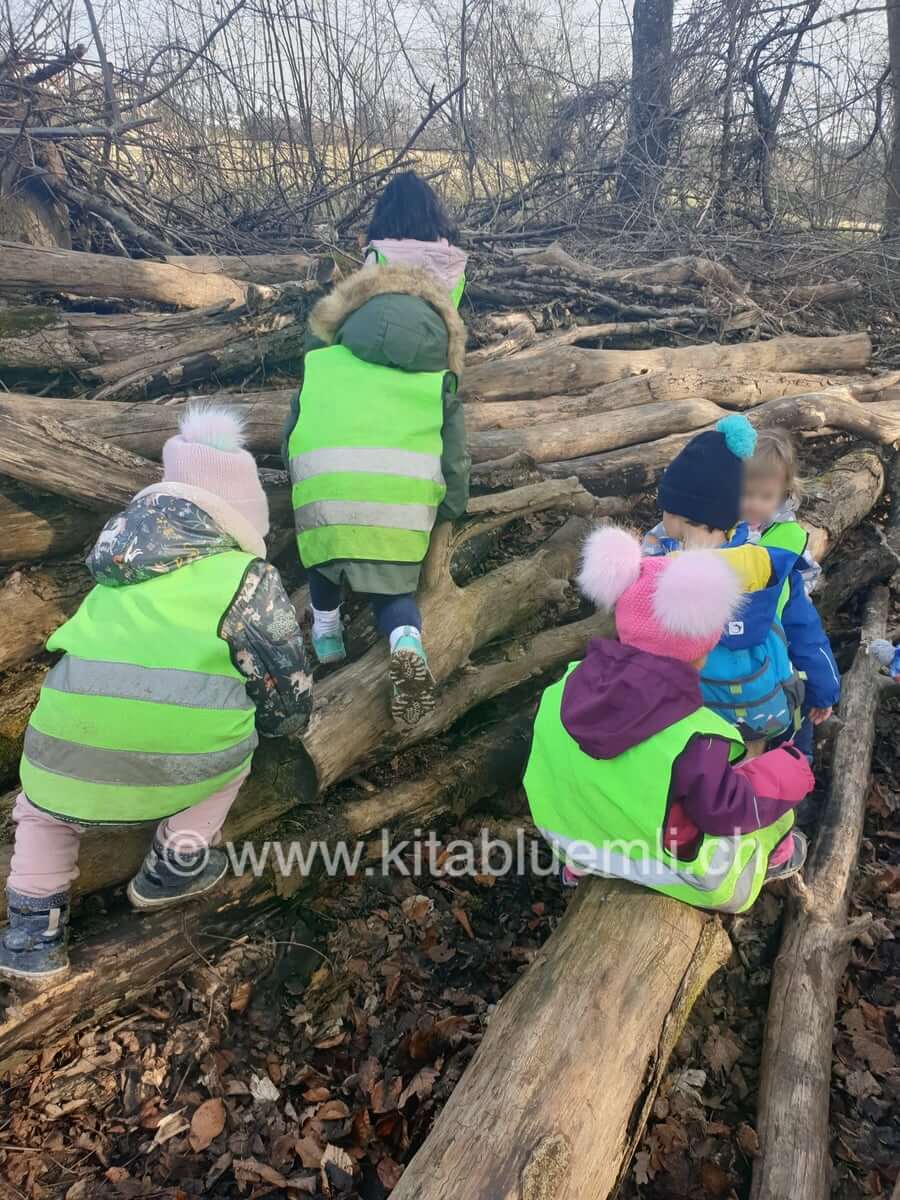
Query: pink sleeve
[(783, 774)]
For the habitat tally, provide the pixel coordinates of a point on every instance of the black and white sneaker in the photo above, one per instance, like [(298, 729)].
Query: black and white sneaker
[(171, 875)]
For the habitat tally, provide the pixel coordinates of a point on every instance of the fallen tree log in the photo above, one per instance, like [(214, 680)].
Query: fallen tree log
[(557, 1095), (33, 338), (259, 268), (35, 525), (840, 498), (875, 562), (134, 952), (731, 389), (48, 454), (795, 1083), (19, 692), (30, 269), (570, 369), (34, 602), (878, 421), (593, 433)]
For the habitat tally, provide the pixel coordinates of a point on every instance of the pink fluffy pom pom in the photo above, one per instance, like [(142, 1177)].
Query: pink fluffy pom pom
[(697, 594), (610, 563)]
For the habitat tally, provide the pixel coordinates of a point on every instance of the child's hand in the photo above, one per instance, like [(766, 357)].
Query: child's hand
[(818, 715)]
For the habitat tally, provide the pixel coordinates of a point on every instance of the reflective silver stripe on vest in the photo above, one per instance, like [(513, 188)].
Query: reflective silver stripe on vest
[(416, 518), (653, 873), (161, 685), (355, 459), (131, 768)]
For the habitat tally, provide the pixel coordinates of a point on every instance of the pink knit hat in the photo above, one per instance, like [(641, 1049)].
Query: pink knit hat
[(206, 462), (674, 606)]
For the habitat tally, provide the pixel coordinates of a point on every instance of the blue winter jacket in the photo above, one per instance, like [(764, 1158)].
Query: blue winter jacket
[(809, 647)]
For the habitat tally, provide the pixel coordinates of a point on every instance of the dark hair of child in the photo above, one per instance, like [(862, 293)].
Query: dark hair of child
[(408, 208)]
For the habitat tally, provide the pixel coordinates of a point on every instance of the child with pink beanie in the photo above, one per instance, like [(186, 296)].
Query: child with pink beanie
[(630, 776), (186, 647)]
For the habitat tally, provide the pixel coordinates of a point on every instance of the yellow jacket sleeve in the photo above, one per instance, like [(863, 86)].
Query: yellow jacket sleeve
[(751, 563)]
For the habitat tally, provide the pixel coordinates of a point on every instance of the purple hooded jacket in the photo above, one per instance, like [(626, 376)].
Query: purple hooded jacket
[(620, 696)]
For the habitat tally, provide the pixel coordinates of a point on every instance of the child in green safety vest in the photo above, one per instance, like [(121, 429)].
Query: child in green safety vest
[(630, 776), (769, 504), (186, 647), (375, 443)]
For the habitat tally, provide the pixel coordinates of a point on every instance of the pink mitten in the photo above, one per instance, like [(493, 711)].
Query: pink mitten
[(782, 774)]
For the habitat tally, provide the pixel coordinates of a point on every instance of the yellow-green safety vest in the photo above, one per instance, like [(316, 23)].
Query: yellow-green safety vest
[(607, 815), (146, 714)]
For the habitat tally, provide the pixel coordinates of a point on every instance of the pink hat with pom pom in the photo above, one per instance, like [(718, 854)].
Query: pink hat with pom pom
[(206, 463), (674, 606)]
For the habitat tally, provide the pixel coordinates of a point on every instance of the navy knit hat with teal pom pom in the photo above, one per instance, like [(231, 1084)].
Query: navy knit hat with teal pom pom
[(704, 482)]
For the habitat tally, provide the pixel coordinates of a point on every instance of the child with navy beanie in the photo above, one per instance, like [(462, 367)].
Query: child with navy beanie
[(748, 678), (700, 490)]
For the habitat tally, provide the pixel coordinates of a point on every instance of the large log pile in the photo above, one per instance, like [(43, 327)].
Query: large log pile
[(568, 422)]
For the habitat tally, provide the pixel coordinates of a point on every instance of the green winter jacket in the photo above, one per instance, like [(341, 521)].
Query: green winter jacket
[(382, 317)]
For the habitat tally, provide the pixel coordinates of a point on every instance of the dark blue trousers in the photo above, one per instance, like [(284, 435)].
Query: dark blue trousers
[(389, 611)]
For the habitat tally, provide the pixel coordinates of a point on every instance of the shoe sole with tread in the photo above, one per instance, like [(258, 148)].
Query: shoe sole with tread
[(412, 688)]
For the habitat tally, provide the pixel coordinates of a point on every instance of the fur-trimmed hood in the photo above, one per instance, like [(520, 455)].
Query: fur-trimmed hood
[(352, 293)]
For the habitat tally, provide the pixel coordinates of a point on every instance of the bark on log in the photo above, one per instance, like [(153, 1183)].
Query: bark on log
[(835, 292), (874, 563), (555, 1100), (133, 953), (258, 268), (795, 1083), (878, 421), (45, 453), (34, 602), (18, 695), (34, 525), (591, 434), (571, 369), (840, 498), (33, 338), (27, 268), (731, 389)]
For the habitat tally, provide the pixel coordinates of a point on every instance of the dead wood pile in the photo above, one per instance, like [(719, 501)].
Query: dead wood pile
[(581, 386)]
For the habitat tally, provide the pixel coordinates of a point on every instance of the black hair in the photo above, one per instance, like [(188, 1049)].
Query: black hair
[(408, 208)]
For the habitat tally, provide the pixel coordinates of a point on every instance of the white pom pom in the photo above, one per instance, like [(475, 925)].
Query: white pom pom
[(610, 563), (697, 594), (212, 425)]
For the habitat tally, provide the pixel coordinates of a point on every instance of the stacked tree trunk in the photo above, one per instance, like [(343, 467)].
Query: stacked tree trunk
[(564, 429)]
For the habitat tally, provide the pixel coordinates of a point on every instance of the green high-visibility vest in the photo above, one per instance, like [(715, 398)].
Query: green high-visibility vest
[(785, 535), (146, 714), (456, 295), (365, 459), (608, 815)]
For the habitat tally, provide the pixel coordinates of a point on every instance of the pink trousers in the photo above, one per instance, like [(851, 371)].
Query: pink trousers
[(45, 855)]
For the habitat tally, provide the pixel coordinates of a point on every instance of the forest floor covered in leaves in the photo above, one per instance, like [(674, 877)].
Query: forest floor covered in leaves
[(312, 1057)]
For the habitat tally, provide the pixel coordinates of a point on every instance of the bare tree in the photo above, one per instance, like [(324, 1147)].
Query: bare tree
[(649, 126)]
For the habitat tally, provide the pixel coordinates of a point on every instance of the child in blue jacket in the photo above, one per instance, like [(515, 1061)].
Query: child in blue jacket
[(769, 506), (752, 677)]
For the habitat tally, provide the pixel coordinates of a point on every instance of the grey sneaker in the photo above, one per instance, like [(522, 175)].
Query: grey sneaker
[(794, 864), (171, 875), (35, 944)]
